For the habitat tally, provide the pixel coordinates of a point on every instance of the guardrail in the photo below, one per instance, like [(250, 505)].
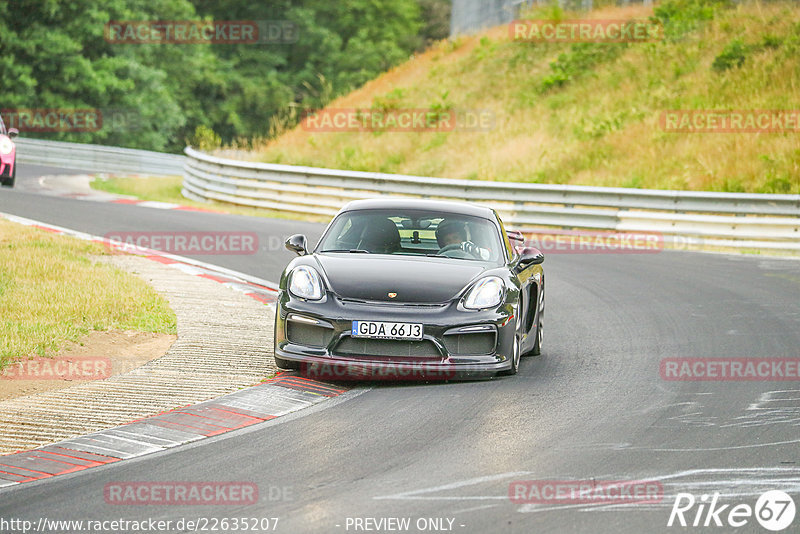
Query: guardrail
[(718, 219), (98, 158)]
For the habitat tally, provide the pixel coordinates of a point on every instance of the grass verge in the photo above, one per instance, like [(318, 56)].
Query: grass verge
[(52, 292), (168, 189)]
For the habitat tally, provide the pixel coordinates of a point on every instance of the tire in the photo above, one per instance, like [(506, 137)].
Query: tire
[(515, 358), (287, 365), (9, 182), (537, 346)]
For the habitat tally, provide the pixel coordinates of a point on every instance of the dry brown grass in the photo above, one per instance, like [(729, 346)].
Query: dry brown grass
[(601, 128)]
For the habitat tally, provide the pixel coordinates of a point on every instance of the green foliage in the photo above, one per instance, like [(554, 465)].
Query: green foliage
[(733, 55), (579, 60), (55, 55), (680, 17), (436, 25), (486, 48), (205, 138), (550, 11), (771, 41), (595, 127), (390, 101), (777, 179), (442, 105)]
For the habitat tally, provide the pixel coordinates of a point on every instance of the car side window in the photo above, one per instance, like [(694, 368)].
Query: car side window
[(482, 236), (512, 252)]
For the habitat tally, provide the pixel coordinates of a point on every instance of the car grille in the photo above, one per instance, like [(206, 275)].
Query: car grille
[(393, 304), (470, 344), (308, 334), (350, 346)]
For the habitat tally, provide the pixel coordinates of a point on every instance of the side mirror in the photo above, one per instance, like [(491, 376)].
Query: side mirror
[(12, 133), (297, 244), (530, 256)]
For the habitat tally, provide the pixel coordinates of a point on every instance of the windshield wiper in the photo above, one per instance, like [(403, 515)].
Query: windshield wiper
[(350, 250)]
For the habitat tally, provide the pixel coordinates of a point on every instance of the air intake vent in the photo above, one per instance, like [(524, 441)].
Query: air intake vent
[(307, 334), (350, 346), (470, 344)]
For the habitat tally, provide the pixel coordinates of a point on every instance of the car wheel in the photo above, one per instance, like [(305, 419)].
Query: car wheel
[(537, 346), (287, 365), (9, 182), (514, 358)]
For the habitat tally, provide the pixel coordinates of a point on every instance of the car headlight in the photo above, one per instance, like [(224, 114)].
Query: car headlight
[(6, 146), (304, 282), (486, 293)]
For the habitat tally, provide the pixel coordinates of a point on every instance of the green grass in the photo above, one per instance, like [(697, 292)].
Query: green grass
[(168, 189), (52, 292)]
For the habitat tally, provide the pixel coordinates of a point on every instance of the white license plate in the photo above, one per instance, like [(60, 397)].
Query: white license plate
[(381, 330)]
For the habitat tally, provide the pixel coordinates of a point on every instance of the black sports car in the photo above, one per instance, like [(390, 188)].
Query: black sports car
[(414, 289)]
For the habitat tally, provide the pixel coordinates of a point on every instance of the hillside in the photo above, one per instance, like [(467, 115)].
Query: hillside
[(588, 113)]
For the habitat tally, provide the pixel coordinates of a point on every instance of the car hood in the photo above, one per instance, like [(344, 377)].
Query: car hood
[(416, 280)]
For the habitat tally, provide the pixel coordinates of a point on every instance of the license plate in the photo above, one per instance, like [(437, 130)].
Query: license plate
[(379, 330)]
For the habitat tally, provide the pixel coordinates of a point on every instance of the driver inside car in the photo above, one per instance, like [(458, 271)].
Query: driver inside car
[(452, 235)]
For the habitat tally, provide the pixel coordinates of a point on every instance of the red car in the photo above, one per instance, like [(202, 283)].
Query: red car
[(8, 154)]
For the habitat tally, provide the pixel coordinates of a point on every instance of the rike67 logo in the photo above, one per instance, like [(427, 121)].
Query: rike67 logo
[(774, 510)]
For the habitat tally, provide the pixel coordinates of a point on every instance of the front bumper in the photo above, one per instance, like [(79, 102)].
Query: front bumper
[(430, 359)]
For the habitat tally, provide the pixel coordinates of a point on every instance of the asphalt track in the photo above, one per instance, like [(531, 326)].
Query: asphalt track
[(592, 406)]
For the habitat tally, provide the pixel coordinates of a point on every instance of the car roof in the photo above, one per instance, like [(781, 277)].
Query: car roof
[(460, 208)]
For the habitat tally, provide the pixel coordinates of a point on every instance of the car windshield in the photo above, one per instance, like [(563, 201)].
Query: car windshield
[(414, 233)]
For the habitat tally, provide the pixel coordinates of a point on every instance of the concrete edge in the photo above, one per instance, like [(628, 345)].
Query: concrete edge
[(274, 398)]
